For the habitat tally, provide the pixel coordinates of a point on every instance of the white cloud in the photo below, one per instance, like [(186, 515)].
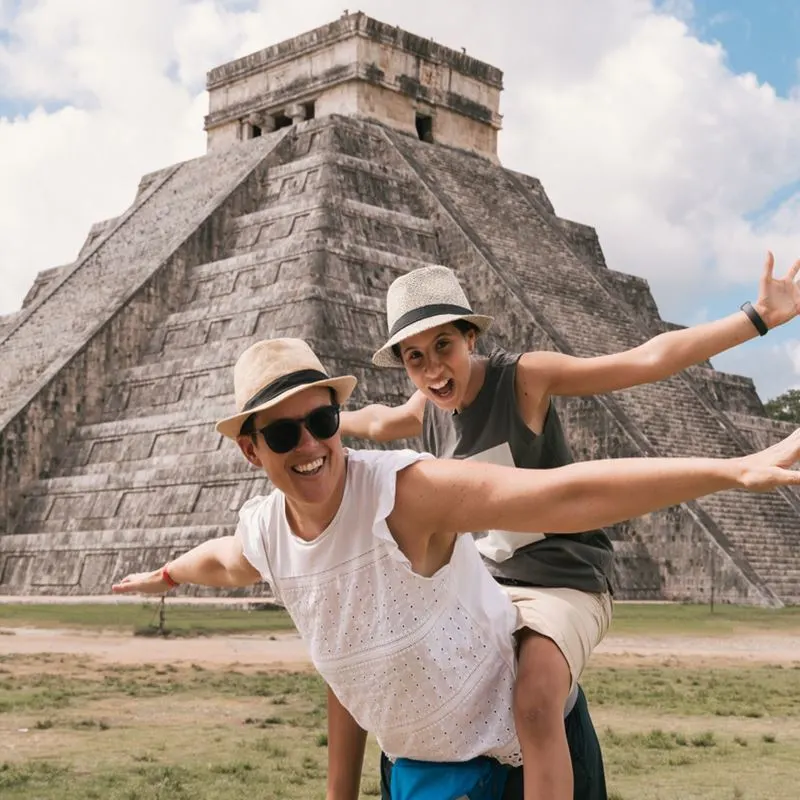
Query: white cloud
[(793, 349), (634, 124), (774, 367)]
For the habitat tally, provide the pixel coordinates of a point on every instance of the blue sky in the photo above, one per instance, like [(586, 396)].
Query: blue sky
[(638, 116), (759, 36)]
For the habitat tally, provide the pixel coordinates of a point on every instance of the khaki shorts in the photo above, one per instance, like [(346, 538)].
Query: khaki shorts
[(576, 621)]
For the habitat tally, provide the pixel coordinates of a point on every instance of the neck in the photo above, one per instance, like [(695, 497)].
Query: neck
[(477, 374), (308, 521)]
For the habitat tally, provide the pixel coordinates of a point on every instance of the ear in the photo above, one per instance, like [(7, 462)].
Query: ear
[(472, 341), (249, 451)]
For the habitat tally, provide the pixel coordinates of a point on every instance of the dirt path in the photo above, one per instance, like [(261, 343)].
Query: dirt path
[(286, 649), (275, 650), (766, 648)]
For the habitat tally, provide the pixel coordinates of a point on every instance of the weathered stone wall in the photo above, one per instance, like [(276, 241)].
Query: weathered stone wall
[(56, 372), (359, 67), (44, 280)]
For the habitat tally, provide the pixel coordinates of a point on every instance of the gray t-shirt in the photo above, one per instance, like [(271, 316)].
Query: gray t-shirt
[(493, 423)]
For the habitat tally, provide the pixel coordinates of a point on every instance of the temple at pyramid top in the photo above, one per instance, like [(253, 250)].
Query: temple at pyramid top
[(359, 67)]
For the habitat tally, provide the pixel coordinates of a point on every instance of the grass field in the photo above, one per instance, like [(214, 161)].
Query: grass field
[(72, 728), (181, 620), (629, 618)]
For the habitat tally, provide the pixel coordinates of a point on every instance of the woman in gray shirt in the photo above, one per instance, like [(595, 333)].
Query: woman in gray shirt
[(498, 409)]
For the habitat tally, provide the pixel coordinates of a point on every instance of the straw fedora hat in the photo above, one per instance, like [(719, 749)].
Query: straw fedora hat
[(272, 370), (421, 300)]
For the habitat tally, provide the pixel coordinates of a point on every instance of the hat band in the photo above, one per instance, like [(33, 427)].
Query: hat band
[(283, 384), (423, 312)]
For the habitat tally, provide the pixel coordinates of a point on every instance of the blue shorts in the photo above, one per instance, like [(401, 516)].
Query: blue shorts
[(584, 748)]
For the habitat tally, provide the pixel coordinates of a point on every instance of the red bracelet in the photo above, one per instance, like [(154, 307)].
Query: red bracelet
[(167, 578)]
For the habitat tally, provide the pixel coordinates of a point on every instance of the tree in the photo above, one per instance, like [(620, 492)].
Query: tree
[(785, 407)]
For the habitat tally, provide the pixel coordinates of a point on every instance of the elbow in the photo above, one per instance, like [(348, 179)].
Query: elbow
[(377, 432), (653, 357)]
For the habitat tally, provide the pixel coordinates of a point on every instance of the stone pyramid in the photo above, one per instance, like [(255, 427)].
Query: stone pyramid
[(337, 161)]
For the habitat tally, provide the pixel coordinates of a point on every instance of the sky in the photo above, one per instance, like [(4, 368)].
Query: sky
[(671, 126)]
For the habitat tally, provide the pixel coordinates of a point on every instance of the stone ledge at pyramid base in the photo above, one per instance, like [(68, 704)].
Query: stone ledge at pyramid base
[(89, 562)]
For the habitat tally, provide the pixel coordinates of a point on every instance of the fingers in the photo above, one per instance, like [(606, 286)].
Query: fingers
[(769, 266), (790, 477), (130, 583), (795, 268)]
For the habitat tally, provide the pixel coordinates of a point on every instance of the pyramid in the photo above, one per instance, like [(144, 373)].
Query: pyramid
[(336, 161)]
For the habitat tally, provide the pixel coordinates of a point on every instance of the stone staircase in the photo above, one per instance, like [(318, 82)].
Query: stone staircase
[(570, 299)]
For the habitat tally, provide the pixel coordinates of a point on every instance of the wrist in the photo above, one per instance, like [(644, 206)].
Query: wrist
[(734, 472), (167, 577), (758, 316)]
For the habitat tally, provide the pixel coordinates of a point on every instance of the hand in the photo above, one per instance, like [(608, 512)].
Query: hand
[(778, 298), (772, 467), (142, 583)]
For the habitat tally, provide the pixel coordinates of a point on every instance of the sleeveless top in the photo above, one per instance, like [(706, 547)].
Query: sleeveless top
[(492, 429), (425, 664)]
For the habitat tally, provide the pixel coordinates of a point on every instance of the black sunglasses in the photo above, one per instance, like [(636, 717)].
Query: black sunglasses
[(284, 435)]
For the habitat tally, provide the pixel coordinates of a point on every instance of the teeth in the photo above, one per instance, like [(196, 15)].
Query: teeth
[(437, 386), (311, 466)]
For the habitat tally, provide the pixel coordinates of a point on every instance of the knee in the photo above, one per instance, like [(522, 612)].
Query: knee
[(538, 702), (542, 685)]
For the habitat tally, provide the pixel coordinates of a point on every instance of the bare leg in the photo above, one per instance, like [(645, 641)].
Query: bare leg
[(541, 690)]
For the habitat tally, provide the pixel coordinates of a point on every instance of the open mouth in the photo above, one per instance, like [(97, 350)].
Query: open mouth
[(443, 389), (311, 468)]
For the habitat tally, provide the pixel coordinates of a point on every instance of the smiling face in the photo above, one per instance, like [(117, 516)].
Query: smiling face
[(439, 364), (311, 475)]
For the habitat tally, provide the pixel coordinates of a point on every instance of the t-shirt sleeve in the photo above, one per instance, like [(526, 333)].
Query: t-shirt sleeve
[(384, 486), (250, 533)]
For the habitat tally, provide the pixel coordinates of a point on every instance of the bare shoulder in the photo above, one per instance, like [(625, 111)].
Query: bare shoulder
[(532, 386), (535, 365)]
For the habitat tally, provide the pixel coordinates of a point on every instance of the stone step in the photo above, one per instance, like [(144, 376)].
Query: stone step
[(343, 175), (129, 439), (357, 222), (237, 322), (341, 264), (89, 561), (192, 463), (213, 469), (147, 498)]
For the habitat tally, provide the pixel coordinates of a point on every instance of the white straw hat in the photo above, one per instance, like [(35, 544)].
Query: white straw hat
[(421, 300), (272, 370)]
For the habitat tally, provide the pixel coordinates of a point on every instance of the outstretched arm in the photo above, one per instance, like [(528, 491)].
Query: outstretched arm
[(380, 423), (549, 373), (218, 562), (346, 743), (446, 497)]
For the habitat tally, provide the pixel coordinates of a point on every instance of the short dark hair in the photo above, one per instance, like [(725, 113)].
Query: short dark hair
[(463, 326), (249, 427)]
